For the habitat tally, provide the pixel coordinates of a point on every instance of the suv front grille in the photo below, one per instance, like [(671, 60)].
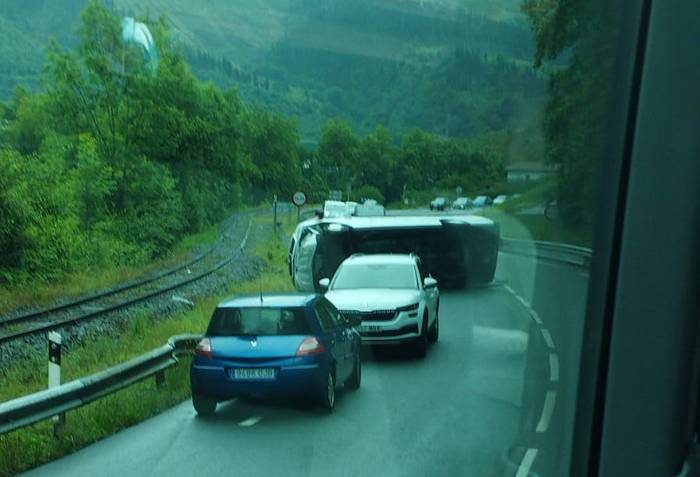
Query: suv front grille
[(377, 315)]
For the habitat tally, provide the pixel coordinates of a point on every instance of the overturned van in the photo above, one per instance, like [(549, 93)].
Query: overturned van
[(458, 250)]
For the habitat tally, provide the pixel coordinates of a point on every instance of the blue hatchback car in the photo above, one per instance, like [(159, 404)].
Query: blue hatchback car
[(279, 344)]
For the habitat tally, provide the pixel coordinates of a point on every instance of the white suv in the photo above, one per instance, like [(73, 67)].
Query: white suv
[(392, 296)]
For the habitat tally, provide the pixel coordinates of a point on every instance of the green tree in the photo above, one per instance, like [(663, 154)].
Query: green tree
[(377, 163), (271, 141), (14, 212), (338, 152), (152, 213), (579, 93), (96, 183), (422, 160)]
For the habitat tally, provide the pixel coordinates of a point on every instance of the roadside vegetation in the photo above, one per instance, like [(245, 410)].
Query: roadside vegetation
[(537, 227), (80, 282), (110, 165), (31, 446)]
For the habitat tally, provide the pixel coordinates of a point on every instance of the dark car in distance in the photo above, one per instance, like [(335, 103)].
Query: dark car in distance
[(439, 203), (286, 344)]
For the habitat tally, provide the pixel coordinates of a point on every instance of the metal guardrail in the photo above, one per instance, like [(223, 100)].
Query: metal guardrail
[(43, 405), (549, 251)]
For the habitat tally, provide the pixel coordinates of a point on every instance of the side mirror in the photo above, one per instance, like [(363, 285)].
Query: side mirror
[(429, 282), (324, 283)]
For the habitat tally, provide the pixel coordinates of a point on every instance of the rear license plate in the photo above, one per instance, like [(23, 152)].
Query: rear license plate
[(252, 373), (370, 329)]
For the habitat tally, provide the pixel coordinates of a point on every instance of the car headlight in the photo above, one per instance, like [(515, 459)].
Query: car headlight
[(413, 307)]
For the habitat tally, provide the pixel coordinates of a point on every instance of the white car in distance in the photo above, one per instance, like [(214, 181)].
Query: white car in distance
[(500, 199), (391, 295)]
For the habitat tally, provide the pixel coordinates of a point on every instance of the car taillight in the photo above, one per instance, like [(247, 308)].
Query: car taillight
[(310, 345), (203, 349)]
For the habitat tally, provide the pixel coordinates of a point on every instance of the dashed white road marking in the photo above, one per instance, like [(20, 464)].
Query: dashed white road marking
[(526, 463), (550, 401), (251, 421), (523, 302), (547, 337), (553, 367)]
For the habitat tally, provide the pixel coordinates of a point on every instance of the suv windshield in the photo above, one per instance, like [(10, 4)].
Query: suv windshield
[(376, 275), (258, 321)]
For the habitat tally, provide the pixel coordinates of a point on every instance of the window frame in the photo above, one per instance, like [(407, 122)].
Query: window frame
[(637, 410)]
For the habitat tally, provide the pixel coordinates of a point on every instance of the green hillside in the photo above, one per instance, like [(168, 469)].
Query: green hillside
[(453, 67)]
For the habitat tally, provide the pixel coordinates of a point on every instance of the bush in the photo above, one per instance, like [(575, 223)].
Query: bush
[(368, 192)]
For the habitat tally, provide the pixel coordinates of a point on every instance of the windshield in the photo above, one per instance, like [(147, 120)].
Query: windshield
[(258, 321), (379, 275), (156, 156)]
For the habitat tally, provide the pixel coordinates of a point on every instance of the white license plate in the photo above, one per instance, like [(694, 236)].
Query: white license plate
[(252, 373), (370, 329)]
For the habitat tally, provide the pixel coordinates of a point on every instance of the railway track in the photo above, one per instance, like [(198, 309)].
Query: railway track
[(102, 303)]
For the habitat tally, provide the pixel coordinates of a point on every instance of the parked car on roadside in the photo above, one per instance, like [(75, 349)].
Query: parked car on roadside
[(482, 201), (500, 199), (391, 295), (277, 344), (462, 203), (439, 203)]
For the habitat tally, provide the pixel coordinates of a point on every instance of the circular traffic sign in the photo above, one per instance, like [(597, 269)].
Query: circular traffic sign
[(299, 198)]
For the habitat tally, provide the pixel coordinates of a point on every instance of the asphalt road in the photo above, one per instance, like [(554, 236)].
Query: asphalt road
[(457, 412)]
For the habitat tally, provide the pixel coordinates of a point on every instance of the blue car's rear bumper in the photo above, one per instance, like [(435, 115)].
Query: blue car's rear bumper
[(294, 376)]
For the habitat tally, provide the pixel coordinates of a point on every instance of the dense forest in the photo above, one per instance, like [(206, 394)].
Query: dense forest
[(368, 61), (110, 164)]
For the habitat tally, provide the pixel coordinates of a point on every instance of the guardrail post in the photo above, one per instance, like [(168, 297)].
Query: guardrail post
[(274, 213), (160, 379), (55, 342)]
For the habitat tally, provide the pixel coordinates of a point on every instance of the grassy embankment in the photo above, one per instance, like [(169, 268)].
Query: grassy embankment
[(29, 293), (34, 445), (517, 223)]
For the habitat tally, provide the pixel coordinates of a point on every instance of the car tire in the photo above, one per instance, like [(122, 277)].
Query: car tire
[(421, 346), (327, 392), (204, 406), (356, 378), (435, 329)]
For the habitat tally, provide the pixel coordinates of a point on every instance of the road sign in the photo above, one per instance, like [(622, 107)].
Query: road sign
[(459, 189), (299, 198)]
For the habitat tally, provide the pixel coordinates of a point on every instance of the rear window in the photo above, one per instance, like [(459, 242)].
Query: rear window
[(258, 321)]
